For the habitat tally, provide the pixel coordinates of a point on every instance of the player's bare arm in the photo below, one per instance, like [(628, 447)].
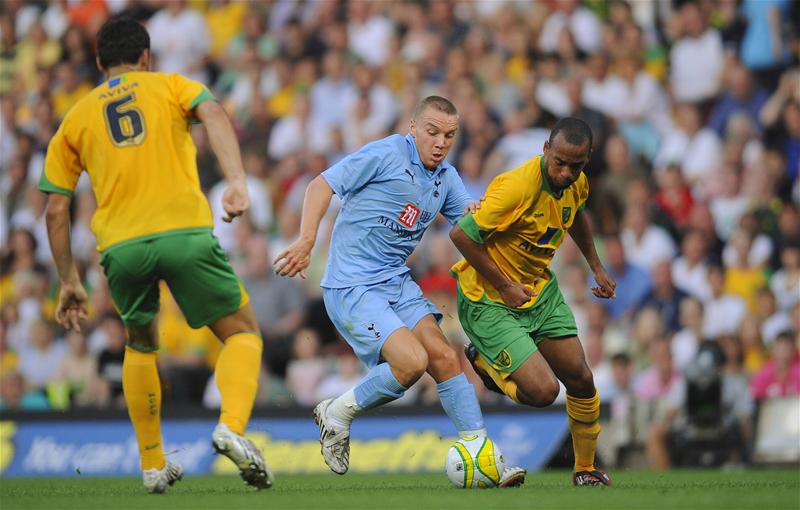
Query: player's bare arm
[(72, 299), (581, 233), (514, 294), (225, 145), (296, 258)]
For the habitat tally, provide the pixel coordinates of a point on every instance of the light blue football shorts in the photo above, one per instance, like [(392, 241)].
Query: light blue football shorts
[(367, 315)]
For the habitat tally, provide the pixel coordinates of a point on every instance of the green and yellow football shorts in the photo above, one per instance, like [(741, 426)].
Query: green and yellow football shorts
[(507, 337), (191, 262)]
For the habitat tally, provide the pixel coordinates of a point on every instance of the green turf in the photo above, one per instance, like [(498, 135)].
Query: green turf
[(685, 490)]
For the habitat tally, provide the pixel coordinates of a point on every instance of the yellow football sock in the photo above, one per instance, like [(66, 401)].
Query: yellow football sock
[(237, 379), (508, 386), (584, 414), (142, 389)]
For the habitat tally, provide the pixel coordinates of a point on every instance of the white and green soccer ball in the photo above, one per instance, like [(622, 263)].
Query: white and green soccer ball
[(474, 463)]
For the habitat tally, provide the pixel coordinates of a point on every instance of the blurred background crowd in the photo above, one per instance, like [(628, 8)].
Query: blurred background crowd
[(695, 108)]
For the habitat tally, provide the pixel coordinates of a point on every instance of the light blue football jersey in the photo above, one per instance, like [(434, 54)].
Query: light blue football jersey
[(389, 199)]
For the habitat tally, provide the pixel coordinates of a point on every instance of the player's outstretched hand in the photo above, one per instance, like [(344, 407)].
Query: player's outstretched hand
[(72, 306), (294, 259), (235, 200), (515, 294), (607, 285), (473, 206)]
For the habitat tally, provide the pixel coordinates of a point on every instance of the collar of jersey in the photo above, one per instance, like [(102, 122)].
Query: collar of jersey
[(444, 165), (545, 182)]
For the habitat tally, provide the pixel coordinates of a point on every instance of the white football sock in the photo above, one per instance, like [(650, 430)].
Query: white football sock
[(343, 410)]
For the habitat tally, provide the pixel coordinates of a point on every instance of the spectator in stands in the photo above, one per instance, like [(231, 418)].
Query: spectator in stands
[(298, 131), (75, 381), (724, 312), (785, 283), (696, 57), (15, 396), (347, 373), (41, 356), (694, 148), (646, 245), (109, 361), (621, 170), (741, 94), (633, 282), (780, 377), (664, 296), (686, 342), (580, 21), (689, 270), (306, 369), (174, 51), (774, 321)]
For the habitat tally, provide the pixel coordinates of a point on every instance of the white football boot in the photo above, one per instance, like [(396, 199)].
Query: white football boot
[(244, 454), (156, 481), (512, 477), (334, 444)]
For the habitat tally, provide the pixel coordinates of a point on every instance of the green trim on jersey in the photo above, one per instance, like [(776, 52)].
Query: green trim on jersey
[(205, 95), (45, 186), (471, 228)]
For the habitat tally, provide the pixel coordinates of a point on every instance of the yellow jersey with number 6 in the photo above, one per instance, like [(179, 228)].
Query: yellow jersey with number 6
[(521, 222), (131, 135)]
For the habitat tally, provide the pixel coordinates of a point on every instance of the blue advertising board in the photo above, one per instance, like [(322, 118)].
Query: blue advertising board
[(290, 445)]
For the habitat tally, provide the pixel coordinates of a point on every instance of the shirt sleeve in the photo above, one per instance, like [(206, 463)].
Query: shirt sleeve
[(505, 203), (62, 166), (359, 168), (457, 197), (188, 93)]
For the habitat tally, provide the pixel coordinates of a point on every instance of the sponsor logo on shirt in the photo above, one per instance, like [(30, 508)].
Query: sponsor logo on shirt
[(409, 216)]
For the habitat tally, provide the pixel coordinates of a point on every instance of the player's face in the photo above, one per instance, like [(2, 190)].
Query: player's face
[(564, 162), (434, 133)]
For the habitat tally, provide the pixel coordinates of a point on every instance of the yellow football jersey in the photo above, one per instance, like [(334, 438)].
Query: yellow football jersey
[(131, 135), (521, 223)]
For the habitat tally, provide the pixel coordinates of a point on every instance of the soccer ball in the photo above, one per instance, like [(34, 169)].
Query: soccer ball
[(474, 463)]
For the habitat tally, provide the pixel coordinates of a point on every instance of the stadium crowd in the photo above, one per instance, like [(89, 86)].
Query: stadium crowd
[(695, 110)]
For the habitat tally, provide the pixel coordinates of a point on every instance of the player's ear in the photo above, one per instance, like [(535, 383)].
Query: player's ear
[(98, 64), (144, 59), (412, 126)]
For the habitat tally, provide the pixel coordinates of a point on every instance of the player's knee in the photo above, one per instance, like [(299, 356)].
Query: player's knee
[(540, 395), (444, 360), (142, 338), (581, 384), (412, 367)]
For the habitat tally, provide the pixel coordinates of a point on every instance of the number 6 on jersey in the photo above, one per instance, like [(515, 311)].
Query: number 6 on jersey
[(126, 127)]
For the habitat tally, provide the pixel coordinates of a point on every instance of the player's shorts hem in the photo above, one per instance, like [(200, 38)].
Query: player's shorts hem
[(214, 318)]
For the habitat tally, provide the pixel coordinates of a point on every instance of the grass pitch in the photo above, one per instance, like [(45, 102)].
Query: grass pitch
[(758, 489)]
